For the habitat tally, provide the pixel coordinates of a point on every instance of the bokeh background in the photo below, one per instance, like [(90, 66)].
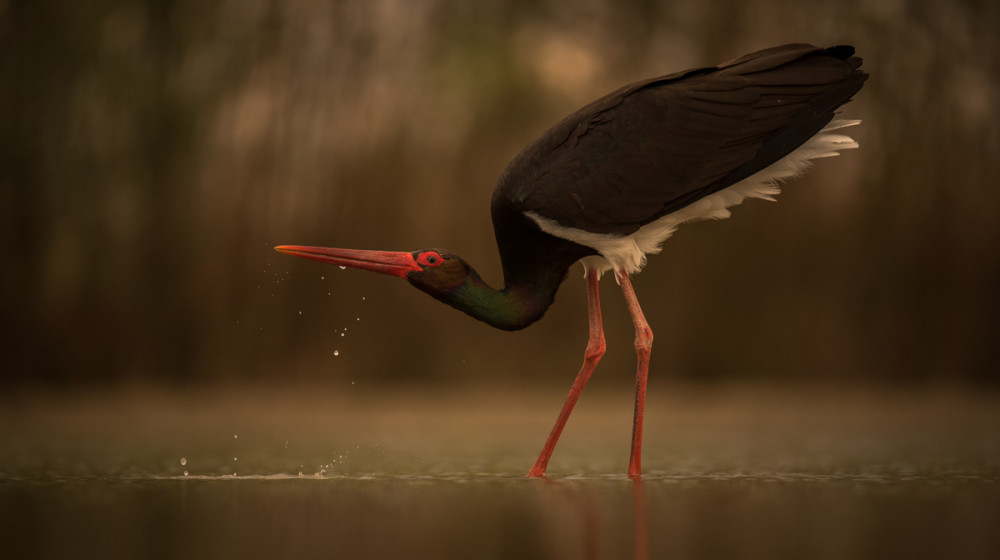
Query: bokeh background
[(153, 152)]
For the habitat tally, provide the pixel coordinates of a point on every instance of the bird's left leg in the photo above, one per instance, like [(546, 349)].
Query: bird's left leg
[(643, 348), (593, 354)]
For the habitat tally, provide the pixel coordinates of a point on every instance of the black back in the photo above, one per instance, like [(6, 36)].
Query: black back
[(655, 146)]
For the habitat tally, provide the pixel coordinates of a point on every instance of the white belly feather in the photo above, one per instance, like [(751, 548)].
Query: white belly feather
[(628, 252)]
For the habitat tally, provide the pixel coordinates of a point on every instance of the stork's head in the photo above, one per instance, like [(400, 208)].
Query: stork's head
[(446, 277), (438, 272)]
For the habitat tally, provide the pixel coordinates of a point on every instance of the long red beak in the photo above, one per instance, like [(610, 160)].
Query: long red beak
[(385, 262)]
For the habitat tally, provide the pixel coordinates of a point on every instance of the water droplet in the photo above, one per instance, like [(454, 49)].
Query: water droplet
[(300, 313), (184, 461), (352, 383), (300, 473), (236, 436), (322, 277), (185, 473), (343, 268), (336, 352), (357, 318), (235, 459)]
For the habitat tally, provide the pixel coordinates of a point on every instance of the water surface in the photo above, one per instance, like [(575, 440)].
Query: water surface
[(317, 474)]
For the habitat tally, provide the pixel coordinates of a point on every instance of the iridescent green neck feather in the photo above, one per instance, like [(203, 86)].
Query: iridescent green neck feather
[(514, 307)]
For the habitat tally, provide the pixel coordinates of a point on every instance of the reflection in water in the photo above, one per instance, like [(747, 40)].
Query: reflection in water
[(767, 476), (639, 519), (573, 508), (470, 516)]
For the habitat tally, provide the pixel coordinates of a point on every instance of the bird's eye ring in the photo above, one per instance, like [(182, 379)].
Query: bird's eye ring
[(430, 258)]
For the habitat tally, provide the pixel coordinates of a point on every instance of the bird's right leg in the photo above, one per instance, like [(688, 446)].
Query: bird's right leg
[(643, 348), (593, 354)]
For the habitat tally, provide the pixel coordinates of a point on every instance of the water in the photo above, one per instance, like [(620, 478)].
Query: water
[(320, 474)]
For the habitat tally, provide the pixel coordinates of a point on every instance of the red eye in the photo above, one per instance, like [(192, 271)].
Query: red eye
[(430, 258)]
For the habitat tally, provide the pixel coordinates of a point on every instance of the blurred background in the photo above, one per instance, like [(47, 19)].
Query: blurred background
[(153, 152)]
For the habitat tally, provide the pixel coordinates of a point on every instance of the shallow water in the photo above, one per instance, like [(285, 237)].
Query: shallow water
[(311, 474)]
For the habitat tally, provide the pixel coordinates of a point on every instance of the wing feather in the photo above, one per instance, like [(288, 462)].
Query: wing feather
[(653, 147)]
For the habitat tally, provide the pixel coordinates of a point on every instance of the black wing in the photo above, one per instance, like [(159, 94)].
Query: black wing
[(655, 146)]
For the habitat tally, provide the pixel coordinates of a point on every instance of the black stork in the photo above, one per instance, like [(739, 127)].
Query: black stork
[(609, 183)]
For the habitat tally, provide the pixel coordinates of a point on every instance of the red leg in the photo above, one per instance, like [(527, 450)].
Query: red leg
[(595, 349), (643, 348)]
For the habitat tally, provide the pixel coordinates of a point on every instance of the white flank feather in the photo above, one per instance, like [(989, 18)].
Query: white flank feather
[(628, 252)]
